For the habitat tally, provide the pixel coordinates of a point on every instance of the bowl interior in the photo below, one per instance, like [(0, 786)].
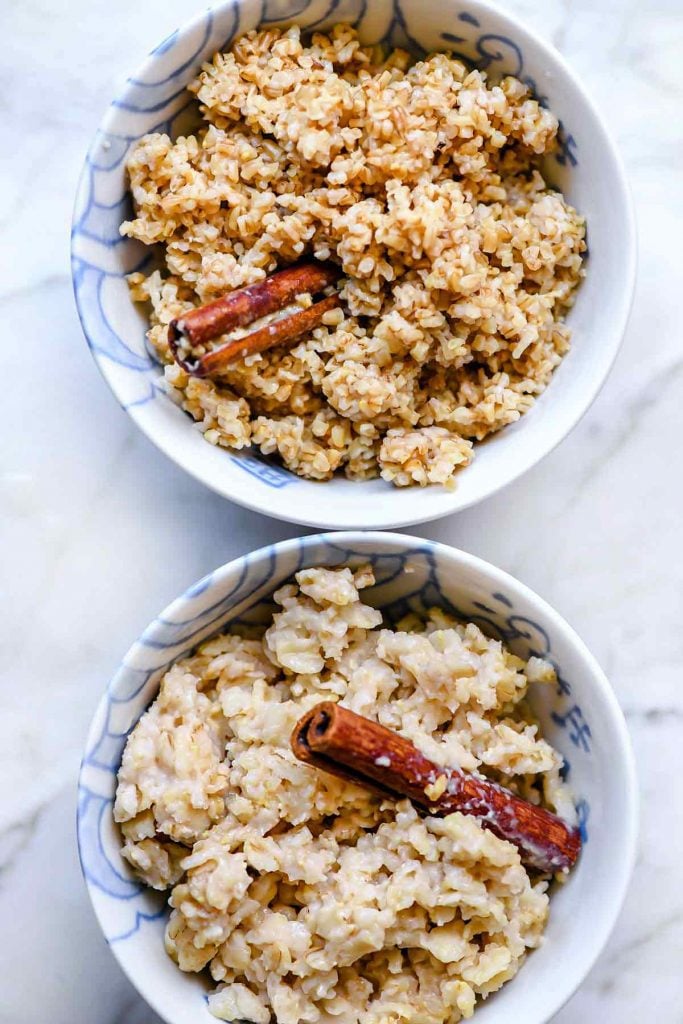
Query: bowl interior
[(585, 167), (580, 717)]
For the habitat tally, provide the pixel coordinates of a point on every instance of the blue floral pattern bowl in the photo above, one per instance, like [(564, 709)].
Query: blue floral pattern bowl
[(586, 167), (580, 717)]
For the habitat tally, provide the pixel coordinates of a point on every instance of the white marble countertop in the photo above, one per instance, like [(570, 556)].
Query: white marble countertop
[(100, 531)]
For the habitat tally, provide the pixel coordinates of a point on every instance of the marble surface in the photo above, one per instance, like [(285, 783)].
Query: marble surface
[(100, 531)]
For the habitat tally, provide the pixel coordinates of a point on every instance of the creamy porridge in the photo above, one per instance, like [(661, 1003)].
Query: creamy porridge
[(308, 898)]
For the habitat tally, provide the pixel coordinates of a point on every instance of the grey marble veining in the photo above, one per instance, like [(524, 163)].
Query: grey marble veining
[(100, 531)]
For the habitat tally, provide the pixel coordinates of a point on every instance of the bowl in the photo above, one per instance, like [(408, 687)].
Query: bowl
[(586, 167), (580, 717)]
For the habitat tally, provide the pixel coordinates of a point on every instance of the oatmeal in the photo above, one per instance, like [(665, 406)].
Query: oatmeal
[(307, 897), (422, 182)]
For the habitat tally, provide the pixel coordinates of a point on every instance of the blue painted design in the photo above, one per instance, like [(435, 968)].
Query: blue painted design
[(135, 106), (265, 471), (398, 34), (578, 729), (140, 918), (190, 62), (200, 586), (99, 219), (111, 150), (566, 148), (109, 744), (337, 10), (97, 868), (273, 11), (144, 399), (232, 31), (583, 813), (166, 44), (88, 285), (494, 49), (563, 687), (450, 37)]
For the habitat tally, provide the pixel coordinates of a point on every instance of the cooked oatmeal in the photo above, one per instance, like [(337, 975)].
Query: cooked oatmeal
[(422, 181), (307, 897)]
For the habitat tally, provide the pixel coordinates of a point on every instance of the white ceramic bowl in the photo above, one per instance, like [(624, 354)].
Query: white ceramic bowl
[(587, 169), (580, 717)]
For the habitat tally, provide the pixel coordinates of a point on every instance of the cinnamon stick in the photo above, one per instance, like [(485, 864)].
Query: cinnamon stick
[(189, 334), (343, 743), (277, 332)]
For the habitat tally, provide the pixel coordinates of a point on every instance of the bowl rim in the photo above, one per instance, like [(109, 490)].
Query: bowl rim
[(389, 515), (622, 753)]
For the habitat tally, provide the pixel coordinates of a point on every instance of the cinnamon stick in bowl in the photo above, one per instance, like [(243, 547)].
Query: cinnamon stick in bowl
[(190, 334), (355, 748)]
